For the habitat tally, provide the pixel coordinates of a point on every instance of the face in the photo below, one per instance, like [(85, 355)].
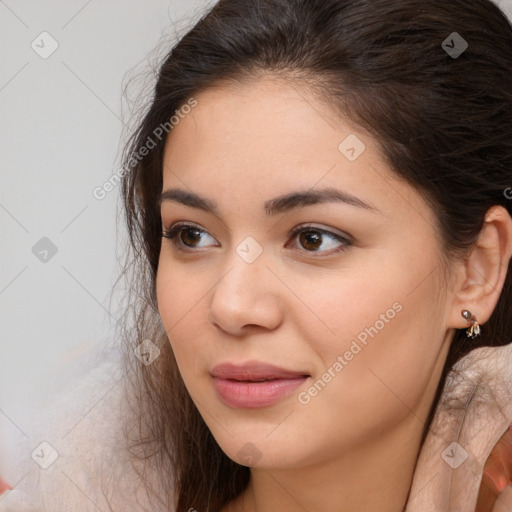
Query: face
[(344, 294)]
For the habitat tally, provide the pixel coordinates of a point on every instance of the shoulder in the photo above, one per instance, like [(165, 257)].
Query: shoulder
[(469, 434), (68, 451)]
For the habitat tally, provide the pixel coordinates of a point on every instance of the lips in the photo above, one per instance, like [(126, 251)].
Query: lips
[(254, 371), (254, 384)]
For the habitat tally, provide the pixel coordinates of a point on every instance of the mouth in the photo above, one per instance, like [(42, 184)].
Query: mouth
[(254, 384)]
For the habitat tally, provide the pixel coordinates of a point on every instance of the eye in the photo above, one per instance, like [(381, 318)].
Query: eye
[(193, 235), (185, 237), (312, 238)]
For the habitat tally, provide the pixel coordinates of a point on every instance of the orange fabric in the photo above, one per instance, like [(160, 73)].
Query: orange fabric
[(497, 473), (4, 486)]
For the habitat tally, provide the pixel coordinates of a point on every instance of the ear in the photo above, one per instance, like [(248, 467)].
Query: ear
[(480, 277)]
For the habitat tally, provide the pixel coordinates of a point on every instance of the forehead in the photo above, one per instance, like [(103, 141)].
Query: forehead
[(266, 126), (252, 141), (255, 113)]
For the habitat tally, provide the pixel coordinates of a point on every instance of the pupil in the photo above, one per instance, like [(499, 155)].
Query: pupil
[(189, 230), (310, 237)]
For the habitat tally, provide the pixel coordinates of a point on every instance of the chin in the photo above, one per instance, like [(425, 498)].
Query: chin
[(264, 454)]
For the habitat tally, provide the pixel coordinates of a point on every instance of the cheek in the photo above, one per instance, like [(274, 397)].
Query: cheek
[(378, 345), (179, 304), (387, 382), (180, 288)]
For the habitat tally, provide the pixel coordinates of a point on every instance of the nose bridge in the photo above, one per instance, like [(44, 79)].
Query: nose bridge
[(245, 268), (244, 295)]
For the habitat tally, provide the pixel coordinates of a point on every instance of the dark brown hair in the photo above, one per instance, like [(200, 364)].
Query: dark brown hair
[(443, 122)]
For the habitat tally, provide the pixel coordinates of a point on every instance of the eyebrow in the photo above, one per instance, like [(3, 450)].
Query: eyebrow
[(280, 204)]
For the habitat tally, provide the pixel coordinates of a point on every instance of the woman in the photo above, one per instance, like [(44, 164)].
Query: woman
[(319, 210)]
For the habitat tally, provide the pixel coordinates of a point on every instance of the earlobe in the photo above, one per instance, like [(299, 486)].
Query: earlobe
[(483, 272)]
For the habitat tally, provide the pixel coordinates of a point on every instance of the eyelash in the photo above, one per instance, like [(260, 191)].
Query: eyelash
[(172, 235)]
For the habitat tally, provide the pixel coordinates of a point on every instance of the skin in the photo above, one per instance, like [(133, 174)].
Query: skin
[(356, 442)]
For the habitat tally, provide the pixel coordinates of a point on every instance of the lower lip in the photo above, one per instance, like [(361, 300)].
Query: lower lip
[(251, 395)]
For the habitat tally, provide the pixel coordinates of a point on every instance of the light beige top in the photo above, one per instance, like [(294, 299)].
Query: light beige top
[(80, 422), (63, 441)]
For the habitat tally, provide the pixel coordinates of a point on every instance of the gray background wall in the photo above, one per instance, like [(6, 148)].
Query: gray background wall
[(60, 126)]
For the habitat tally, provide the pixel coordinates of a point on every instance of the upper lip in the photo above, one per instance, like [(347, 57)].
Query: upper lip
[(254, 370)]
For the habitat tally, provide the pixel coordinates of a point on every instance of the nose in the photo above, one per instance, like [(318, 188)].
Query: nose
[(246, 298)]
